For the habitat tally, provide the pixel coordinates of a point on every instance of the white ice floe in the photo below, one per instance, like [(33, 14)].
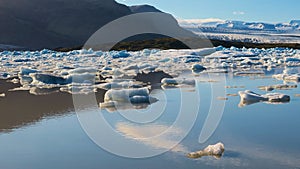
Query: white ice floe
[(216, 151), (124, 99), (135, 96), (249, 97), (288, 77), (2, 95), (178, 82), (47, 68), (120, 85)]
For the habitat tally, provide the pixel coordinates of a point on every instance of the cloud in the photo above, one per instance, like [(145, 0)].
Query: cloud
[(238, 13)]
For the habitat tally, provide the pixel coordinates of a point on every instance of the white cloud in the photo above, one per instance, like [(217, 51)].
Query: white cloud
[(238, 13)]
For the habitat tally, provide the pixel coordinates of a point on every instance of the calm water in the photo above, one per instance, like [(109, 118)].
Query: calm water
[(255, 136)]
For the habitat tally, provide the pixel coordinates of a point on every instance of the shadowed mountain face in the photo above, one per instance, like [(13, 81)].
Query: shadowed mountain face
[(55, 23)]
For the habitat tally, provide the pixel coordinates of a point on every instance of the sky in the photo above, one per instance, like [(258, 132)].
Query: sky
[(272, 11)]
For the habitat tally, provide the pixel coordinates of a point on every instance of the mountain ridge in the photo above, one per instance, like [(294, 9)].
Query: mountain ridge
[(38, 24)]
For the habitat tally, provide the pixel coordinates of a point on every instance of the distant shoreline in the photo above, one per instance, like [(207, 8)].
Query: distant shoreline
[(169, 43)]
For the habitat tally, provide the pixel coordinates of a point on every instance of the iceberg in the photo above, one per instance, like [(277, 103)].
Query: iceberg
[(135, 96), (27, 71), (287, 77), (198, 68), (49, 79), (178, 82), (249, 97), (125, 99), (216, 151)]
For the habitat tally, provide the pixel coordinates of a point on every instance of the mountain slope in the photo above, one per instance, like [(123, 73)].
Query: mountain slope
[(55, 23)]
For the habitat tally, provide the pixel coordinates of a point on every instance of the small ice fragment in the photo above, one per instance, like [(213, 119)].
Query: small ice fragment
[(15, 81), (125, 94), (277, 97), (278, 87), (120, 54), (142, 99), (222, 98), (49, 79), (198, 67), (232, 95), (83, 70), (216, 151), (26, 71), (2, 95), (249, 97), (121, 85), (249, 73), (287, 77), (177, 81)]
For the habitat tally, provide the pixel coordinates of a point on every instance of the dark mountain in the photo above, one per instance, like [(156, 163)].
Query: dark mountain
[(39, 24), (143, 8)]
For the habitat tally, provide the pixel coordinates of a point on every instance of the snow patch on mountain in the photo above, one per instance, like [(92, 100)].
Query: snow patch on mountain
[(256, 32)]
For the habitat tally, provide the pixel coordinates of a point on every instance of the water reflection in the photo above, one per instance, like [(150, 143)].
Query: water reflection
[(142, 133)]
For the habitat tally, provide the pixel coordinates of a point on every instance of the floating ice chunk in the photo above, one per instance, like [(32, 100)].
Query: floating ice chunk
[(125, 95), (2, 95), (23, 60), (178, 81), (216, 151), (278, 87), (43, 91), (81, 78), (120, 85), (107, 68), (142, 99), (198, 68), (294, 78), (25, 80), (249, 97), (249, 73), (127, 99), (27, 71), (15, 81), (83, 70), (205, 51), (119, 54), (19, 89), (292, 59), (131, 67), (48, 79), (287, 77), (72, 89), (165, 60)]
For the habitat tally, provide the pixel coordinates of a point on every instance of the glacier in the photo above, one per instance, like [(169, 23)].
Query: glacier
[(253, 32)]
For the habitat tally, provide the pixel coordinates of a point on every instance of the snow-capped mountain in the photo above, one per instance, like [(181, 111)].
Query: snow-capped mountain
[(294, 25), (245, 31)]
